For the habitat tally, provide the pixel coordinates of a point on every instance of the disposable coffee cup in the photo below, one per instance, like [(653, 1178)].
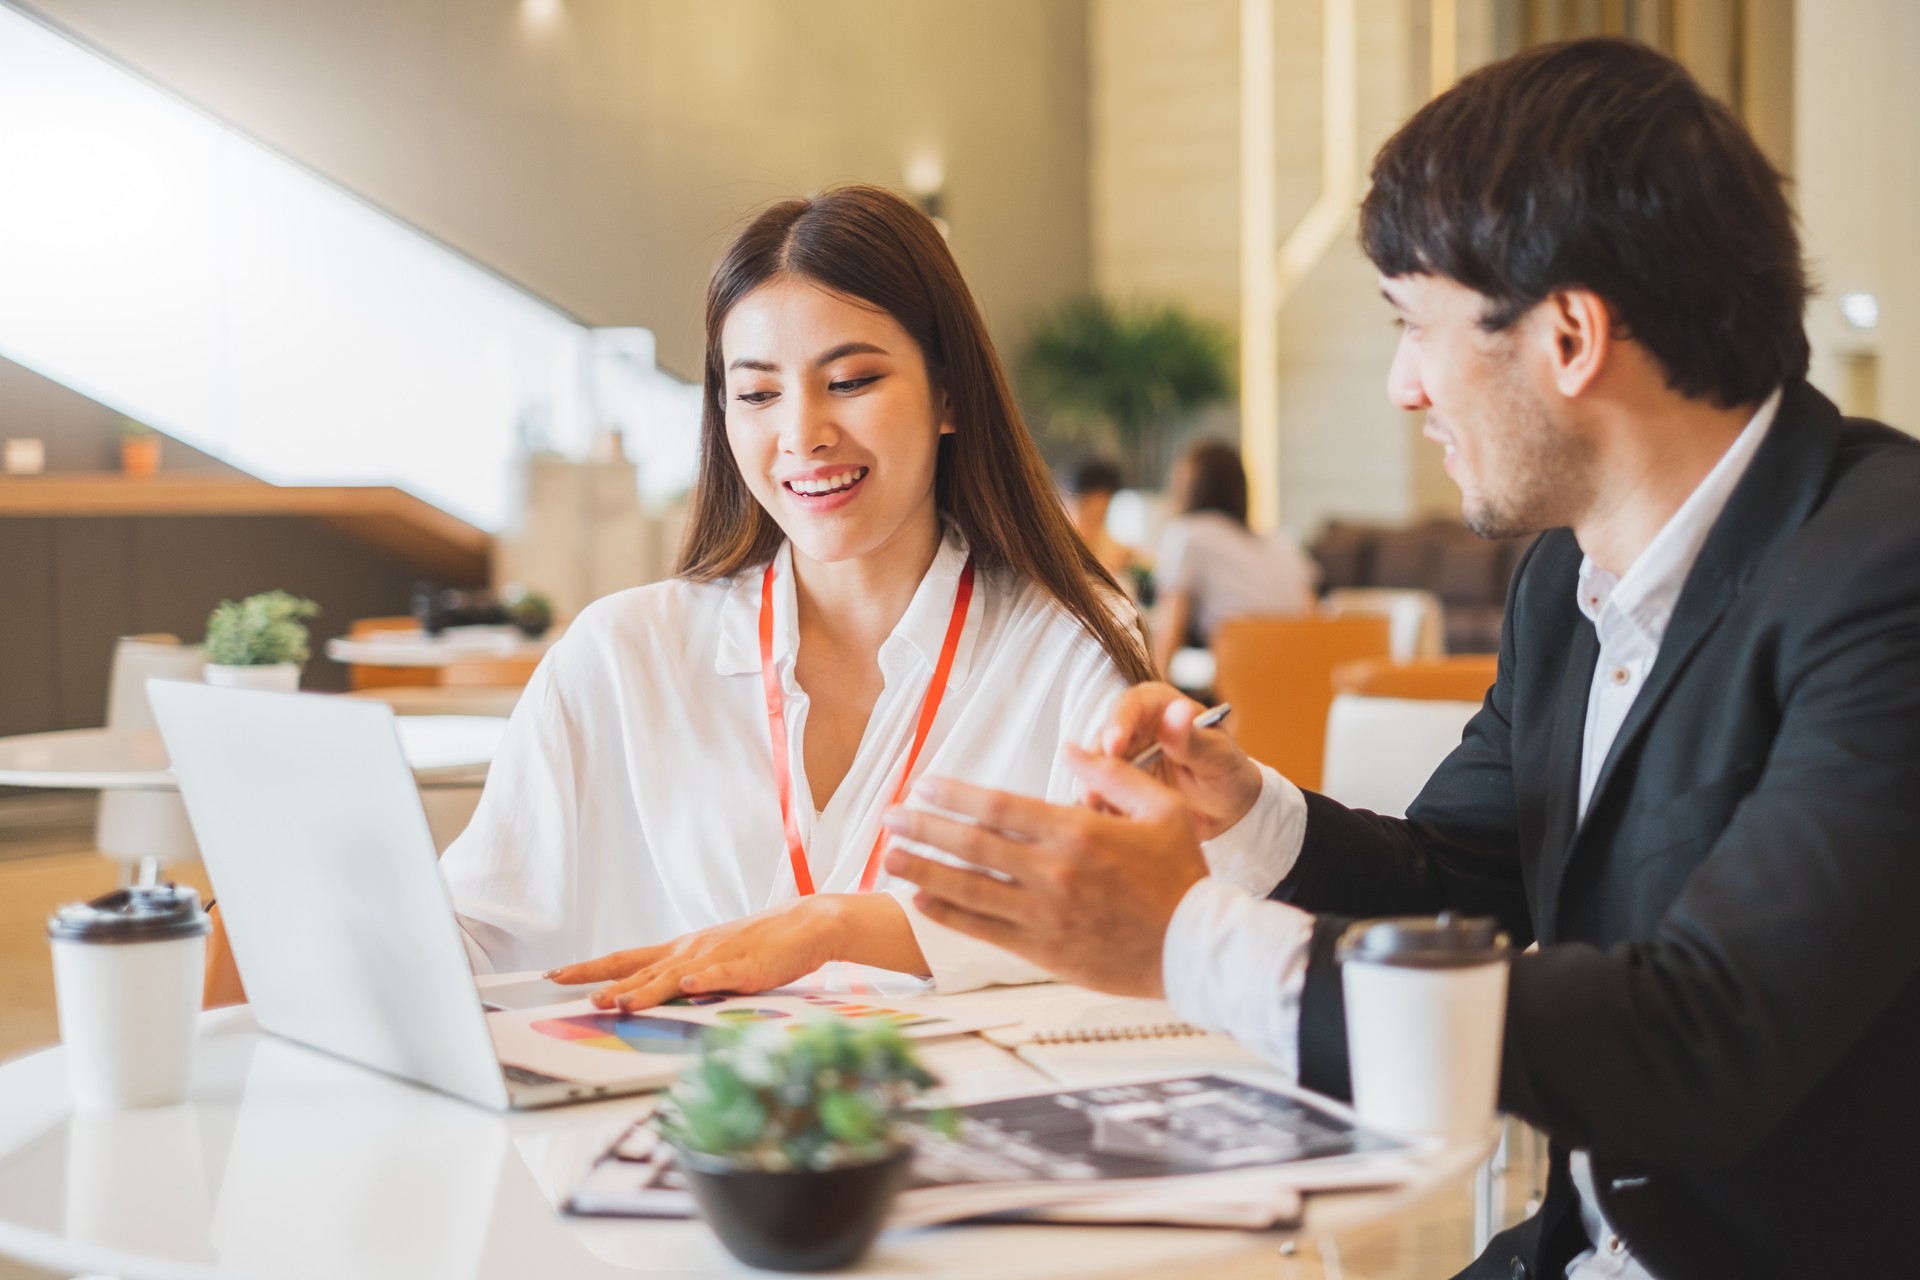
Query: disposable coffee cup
[(1426, 1002), (127, 972)]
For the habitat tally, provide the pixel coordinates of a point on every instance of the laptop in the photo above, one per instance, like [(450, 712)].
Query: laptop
[(312, 832)]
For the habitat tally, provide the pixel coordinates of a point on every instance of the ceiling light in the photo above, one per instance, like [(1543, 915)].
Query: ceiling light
[(1861, 310)]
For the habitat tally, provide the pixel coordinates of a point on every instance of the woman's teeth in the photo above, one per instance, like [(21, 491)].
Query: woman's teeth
[(822, 485)]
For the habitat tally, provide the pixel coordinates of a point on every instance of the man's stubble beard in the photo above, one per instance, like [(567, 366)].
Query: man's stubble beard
[(1539, 471)]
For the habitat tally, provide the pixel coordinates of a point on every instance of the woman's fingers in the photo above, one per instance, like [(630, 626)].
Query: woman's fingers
[(724, 976), (645, 990), (617, 964)]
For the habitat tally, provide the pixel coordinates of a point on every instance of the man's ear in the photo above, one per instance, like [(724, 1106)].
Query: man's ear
[(1581, 328)]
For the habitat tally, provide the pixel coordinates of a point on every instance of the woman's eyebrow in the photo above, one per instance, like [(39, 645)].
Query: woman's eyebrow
[(850, 349), (764, 366)]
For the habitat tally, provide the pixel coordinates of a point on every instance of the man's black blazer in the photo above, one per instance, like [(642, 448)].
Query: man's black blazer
[(1724, 1007)]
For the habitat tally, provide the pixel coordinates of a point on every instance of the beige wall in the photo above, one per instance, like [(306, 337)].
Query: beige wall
[(1857, 152), (601, 161), (1165, 179)]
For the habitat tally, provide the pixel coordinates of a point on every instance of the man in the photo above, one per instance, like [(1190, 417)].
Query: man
[(1696, 780)]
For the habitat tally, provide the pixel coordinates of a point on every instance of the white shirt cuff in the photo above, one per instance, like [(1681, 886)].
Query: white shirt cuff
[(958, 962), (1237, 964), (1256, 853)]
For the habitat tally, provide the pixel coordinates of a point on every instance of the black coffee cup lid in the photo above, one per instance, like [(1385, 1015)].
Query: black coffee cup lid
[(1445, 941), (143, 913)]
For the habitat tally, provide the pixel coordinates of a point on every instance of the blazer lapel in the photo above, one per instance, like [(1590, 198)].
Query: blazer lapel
[(1771, 501), (1564, 745)]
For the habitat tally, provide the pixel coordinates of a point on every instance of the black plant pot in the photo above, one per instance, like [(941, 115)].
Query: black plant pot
[(801, 1221)]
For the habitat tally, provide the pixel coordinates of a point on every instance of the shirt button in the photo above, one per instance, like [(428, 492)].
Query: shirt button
[(1620, 675), (1614, 1244), (1517, 1271)]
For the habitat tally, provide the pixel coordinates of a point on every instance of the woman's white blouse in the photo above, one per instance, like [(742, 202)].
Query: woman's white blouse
[(632, 799)]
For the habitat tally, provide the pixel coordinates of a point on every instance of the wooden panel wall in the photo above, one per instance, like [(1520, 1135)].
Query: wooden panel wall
[(70, 586)]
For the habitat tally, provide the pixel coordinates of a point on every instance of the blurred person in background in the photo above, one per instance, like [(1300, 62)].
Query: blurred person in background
[(1087, 488), (1211, 565)]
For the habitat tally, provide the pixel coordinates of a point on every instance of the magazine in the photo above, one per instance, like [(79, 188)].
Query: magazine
[(1192, 1149)]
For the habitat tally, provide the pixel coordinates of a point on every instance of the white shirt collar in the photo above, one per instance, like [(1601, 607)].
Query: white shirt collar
[(922, 629), (1645, 596)]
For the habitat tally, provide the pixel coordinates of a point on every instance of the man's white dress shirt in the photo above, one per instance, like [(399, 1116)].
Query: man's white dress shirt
[(632, 800), (1236, 962)]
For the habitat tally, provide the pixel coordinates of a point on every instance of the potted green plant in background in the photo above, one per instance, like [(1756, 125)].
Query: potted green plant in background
[(1121, 376), (258, 643), (789, 1140), (528, 610)]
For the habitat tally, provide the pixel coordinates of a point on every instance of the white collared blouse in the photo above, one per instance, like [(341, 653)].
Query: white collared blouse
[(633, 798)]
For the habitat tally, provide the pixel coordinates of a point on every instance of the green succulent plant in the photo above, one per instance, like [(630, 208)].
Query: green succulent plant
[(825, 1094), (259, 631)]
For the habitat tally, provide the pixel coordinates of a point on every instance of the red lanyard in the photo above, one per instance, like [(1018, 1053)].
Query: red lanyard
[(777, 726)]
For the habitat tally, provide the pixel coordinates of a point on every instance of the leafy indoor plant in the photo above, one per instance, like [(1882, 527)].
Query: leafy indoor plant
[(1120, 375), (260, 642), (787, 1136), (528, 610)]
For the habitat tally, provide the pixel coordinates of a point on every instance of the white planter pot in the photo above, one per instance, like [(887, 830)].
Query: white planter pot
[(281, 677)]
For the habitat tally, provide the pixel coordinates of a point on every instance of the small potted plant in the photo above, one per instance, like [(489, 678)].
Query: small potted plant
[(139, 449), (259, 643), (528, 610), (787, 1136)]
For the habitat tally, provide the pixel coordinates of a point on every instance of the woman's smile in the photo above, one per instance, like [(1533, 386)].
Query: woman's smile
[(822, 489)]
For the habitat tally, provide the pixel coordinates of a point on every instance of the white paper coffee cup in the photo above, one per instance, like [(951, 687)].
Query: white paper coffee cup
[(127, 974), (1426, 1002)]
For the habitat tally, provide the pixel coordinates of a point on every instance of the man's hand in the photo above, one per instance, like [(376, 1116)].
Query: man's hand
[(757, 953), (1209, 770), (1088, 895)]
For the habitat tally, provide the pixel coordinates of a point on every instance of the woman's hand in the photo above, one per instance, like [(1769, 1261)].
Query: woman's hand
[(1206, 766), (768, 949)]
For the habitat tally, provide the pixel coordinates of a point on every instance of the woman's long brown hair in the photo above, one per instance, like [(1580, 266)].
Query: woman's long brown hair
[(874, 246)]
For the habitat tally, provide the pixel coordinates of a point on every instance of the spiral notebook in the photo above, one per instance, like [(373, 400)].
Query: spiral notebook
[(1079, 1037)]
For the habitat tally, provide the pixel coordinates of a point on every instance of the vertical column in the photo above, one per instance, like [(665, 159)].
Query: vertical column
[(1259, 296)]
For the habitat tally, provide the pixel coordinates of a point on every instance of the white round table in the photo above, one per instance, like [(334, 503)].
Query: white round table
[(289, 1163), (452, 646), (445, 751)]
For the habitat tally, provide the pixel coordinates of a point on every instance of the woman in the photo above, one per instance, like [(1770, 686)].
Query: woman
[(1211, 565), (877, 582)]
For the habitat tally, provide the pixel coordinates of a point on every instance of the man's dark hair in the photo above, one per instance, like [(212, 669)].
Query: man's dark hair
[(1090, 475), (1601, 164)]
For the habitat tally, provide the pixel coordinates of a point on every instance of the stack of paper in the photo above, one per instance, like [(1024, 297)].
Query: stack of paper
[(1205, 1150)]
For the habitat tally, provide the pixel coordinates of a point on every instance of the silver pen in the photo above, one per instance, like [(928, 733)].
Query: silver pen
[(1205, 720)]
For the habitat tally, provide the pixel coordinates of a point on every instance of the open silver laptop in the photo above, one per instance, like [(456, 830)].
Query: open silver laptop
[(311, 828)]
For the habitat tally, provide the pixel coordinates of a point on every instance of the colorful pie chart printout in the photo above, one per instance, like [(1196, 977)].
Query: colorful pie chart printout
[(623, 1033), (645, 1033)]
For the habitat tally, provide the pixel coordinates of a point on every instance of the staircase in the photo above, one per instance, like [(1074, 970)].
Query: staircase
[(167, 265)]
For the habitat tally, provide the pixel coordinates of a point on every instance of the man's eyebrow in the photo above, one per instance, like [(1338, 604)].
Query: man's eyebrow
[(850, 349), (1397, 304)]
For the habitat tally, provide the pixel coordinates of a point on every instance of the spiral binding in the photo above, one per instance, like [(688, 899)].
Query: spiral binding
[(1093, 1035)]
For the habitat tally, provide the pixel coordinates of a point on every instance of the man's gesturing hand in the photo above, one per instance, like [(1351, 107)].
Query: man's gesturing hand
[(1087, 895), (1209, 770)]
